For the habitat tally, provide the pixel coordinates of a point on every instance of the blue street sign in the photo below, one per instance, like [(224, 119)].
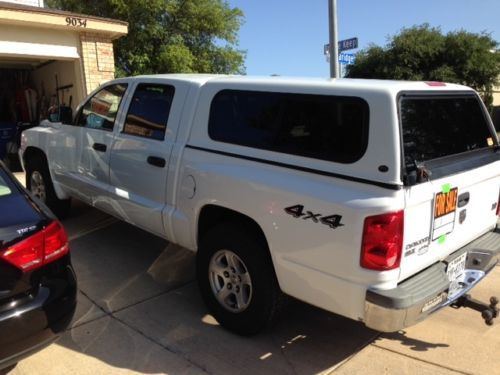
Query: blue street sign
[(347, 58), (346, 44)]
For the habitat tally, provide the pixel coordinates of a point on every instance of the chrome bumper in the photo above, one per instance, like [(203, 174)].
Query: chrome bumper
[(427, 292)]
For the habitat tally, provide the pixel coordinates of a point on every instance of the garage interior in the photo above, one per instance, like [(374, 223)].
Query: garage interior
[(31, 90), (48, 64)]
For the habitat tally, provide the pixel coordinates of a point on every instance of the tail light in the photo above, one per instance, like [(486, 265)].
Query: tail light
[(382, 241), (39, 249)]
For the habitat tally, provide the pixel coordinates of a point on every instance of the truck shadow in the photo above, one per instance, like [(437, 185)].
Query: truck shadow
[(413, 344)]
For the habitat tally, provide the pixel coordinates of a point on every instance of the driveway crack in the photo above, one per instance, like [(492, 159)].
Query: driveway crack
[(166, 347), (423, 360)]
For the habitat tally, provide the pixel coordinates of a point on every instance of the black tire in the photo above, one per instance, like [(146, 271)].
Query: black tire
[(266, 298), (36, 168)]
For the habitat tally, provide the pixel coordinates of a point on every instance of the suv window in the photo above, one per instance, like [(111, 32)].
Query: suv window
[(100, 110), (149, 110), (333, 128), (437, 126)]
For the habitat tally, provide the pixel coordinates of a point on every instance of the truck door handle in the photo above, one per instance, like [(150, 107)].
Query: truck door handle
[(156, 161), (463, 199), (99, 147)]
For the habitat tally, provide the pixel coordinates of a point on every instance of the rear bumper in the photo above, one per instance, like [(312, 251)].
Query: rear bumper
[(37, 320), (427, 292)]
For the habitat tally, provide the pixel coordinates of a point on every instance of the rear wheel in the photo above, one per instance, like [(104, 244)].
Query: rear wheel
[(39, 183), (237, 280)]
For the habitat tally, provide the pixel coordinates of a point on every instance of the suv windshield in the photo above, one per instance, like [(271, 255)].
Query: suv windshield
[(437, 126)]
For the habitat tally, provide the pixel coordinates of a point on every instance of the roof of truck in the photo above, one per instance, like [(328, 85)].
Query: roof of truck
[(346, 83)]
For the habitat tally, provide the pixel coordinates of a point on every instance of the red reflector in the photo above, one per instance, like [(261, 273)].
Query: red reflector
[(435, 84), (56, 242), (41, 248), (382, 241)]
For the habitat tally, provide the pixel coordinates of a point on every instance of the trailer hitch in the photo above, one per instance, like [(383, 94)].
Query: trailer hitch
[(488, 312)]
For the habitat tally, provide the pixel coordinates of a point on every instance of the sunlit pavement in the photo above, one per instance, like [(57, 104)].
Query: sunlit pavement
[(140, 312)]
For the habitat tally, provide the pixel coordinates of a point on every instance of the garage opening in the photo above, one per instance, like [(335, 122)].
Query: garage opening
[(32, 90)]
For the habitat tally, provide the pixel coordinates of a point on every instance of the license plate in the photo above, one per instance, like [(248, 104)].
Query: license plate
[(456, 273)]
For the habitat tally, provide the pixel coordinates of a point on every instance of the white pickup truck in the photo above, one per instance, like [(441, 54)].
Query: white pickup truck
[(375, 200)]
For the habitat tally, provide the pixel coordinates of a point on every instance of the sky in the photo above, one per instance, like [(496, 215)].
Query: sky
[(287, 37)]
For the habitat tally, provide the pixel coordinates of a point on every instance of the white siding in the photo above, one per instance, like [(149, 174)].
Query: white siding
[(34, 3)]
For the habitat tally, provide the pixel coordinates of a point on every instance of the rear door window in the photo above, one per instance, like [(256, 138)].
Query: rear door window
[(149, 110), (437, 126), (333, 128)]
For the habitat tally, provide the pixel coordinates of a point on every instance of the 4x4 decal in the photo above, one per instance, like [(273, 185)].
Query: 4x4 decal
[(297, 211)]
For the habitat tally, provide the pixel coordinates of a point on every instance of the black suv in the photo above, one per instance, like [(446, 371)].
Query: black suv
[(37, 281)]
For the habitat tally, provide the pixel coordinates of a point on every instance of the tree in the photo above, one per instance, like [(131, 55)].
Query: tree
[(425, 53), (170, 36)]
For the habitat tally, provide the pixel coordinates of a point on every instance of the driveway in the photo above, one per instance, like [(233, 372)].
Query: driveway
[(140, 312)]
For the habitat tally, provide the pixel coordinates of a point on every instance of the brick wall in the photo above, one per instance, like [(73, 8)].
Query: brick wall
[(98, 60)]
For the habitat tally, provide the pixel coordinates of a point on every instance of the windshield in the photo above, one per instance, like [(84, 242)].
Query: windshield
[(437, 126)]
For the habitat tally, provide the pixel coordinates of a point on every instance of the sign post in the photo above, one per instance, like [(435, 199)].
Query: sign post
[(333, 46)]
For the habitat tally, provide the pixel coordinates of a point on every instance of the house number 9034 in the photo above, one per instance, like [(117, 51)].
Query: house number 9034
[(76, 22)]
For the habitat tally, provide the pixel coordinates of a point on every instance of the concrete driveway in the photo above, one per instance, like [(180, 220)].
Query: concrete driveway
[(140, 312)]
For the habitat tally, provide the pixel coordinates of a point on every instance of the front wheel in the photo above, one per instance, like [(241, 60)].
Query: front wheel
[(39, 183), (237, 280)]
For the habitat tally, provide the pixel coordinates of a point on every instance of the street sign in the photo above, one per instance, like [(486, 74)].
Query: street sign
[(347, 58), (346, 44)]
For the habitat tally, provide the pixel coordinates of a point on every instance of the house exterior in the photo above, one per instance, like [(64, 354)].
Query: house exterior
[(53, 52)]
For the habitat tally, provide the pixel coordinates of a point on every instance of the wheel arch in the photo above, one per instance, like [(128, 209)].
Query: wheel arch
[(32, 152), (211, 215)]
